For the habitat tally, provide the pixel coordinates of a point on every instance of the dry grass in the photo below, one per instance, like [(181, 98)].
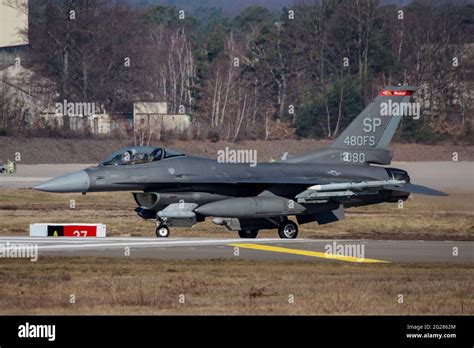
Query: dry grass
[(429, 218), (144, 286)]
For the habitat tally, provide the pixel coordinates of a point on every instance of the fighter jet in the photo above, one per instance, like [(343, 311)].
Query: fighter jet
[(178, 190)]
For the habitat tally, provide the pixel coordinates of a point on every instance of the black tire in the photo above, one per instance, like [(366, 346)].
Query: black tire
[(162, 231), (248, 233), (288, 230)]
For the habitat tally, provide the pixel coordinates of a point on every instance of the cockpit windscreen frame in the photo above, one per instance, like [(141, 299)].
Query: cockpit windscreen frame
[(138, 155)]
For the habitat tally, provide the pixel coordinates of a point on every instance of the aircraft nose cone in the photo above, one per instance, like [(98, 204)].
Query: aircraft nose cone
[(73, 182)]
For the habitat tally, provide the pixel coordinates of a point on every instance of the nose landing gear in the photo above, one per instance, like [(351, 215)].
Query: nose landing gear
[(162, 230)]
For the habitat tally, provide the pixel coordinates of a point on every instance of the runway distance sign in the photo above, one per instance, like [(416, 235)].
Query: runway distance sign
[(67, 230)]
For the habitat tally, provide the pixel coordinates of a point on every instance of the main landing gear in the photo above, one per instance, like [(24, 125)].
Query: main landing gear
[(248, 233), (288, 229)]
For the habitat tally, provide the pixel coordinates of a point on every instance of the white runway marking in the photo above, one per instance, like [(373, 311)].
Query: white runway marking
[(65, 243)]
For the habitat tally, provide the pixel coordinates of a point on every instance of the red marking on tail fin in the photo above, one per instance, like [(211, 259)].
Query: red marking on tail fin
[(396, 93)]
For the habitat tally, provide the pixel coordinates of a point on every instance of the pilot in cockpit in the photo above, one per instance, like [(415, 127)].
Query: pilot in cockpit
[(137, 155)]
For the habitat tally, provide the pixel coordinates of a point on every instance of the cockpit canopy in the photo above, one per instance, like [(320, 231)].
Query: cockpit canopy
[(139, 154)]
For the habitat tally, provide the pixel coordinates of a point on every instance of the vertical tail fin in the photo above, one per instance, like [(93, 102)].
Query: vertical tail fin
[(375, 126), (368, 136)]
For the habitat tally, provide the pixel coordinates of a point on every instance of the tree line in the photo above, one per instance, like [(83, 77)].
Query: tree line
[(303, 71)]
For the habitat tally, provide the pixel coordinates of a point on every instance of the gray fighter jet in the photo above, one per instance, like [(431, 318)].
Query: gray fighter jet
[(180, 190)]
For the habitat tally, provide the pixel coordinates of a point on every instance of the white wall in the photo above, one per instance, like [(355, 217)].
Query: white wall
[(11, 21)]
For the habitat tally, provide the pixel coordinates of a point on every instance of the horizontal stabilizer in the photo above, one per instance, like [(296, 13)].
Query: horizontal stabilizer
[(412, 188)]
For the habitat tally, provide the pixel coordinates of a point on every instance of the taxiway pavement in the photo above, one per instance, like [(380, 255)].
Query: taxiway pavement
[(372, 251)]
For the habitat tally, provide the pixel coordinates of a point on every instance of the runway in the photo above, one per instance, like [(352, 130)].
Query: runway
[(345, 251)]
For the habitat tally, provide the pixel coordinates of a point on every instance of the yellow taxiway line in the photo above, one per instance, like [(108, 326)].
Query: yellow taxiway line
[(306, 253)]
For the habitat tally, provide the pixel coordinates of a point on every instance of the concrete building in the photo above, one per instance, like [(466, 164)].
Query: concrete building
[(13, 26), (100, 122), (153, 117)]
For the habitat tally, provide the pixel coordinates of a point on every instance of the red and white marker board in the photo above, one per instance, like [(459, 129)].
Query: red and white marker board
[(67, 230)]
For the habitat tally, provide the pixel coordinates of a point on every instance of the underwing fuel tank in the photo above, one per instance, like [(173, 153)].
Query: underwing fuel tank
[(251, 207)]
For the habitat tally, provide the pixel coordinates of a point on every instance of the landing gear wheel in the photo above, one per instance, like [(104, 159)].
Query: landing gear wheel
[(162, 231), (248, 233), (288, 230)]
